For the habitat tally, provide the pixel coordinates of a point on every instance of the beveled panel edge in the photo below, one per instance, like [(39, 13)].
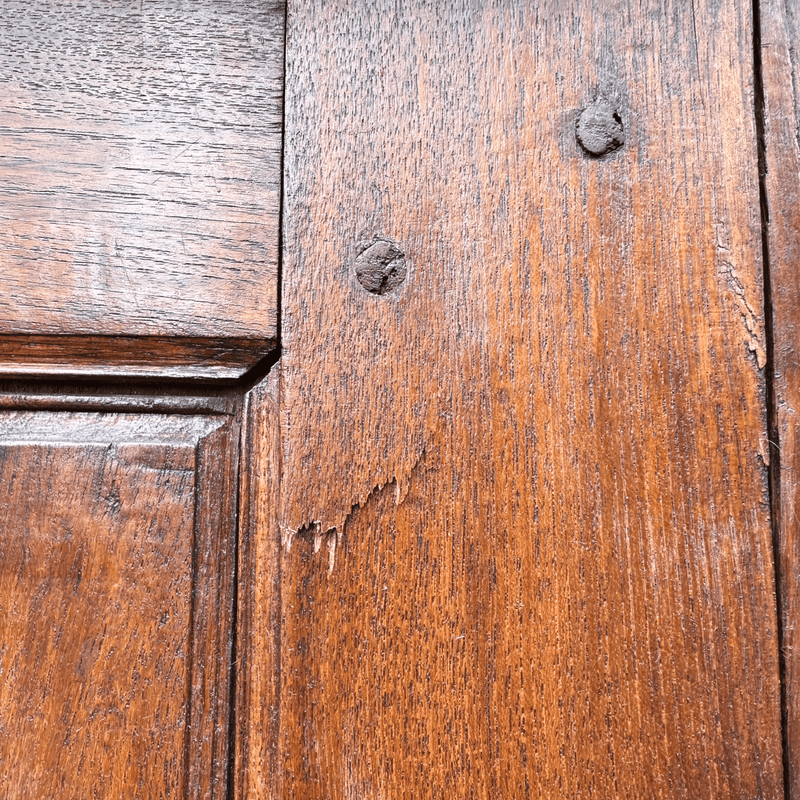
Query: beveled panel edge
[(143, 357)]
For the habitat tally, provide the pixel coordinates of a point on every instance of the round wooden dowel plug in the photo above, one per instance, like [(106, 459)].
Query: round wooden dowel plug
[(381, 267), (599, 128)]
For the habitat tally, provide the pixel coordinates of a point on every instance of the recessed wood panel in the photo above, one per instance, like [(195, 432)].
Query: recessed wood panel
[(116, 570), (140, 174)]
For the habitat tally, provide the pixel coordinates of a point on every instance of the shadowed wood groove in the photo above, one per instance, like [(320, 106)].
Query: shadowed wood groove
[(778, 49)]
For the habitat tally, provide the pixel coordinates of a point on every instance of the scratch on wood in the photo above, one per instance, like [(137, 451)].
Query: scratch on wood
[(752, 321), (330, 536)]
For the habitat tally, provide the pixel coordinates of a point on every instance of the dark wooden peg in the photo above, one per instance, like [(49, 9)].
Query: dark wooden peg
[(599, 128), (381, 267)]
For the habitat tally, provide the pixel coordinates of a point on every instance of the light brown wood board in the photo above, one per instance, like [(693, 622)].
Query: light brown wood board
[(257, 663), (524, 497)]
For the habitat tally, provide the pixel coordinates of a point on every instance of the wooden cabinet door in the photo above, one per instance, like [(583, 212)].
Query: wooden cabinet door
[(512, 515)]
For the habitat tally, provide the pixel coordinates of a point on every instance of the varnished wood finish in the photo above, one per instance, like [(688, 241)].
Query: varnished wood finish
[(116, 583), (128, 357), (256, 710), (780, 43), (15, 396), (139, 184), (564, 587)]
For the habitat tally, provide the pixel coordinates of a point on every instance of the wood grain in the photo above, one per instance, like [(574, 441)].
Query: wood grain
[(109, 397), (140, 169), (524, 494), (116, 585), (257, 709), (162, 357), (780, 40)]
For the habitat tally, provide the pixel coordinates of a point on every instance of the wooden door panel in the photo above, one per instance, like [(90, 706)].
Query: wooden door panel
[(524, 498), (139, 185), (116, 583), (503, 509)]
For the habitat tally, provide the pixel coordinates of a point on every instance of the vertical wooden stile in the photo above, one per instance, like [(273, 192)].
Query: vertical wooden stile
[(524, 499)]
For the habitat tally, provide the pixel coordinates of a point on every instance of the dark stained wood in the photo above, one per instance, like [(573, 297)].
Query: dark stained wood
[(111, 397), (780, 42), (257, 765), (117, 547), (524, 493), (139, 184), (129, 357)]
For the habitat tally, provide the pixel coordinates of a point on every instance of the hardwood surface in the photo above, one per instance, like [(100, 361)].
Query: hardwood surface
[(140, 148), (504, 506), (524, 497), (257, 711), (116, 586), (164, 357), (780, 40)]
